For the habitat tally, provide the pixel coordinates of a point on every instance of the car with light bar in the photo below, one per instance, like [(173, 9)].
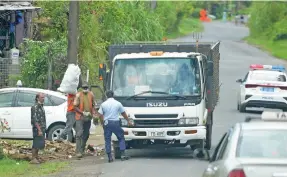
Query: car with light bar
[(255, 147), (169, 91), (264, 86)]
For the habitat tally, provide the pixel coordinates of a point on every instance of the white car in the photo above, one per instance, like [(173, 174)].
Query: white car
[(264, 86), (254, 148), (15, 113)]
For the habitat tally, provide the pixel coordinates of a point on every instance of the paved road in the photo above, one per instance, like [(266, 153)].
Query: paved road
[(236, 56)]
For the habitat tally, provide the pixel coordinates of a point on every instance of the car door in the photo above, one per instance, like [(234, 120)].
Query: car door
[(22, 117), (216, 167), (7, 100)]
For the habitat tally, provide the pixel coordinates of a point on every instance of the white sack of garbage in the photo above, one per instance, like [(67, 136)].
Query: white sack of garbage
[(71, 79)]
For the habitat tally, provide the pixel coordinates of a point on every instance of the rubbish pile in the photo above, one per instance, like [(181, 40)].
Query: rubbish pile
[(21, 150)]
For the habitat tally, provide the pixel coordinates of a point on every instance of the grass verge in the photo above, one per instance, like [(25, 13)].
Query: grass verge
[(186, 26), (275, 48), (13, 168)]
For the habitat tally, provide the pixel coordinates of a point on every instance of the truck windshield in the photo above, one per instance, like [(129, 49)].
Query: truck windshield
[(178, 76)]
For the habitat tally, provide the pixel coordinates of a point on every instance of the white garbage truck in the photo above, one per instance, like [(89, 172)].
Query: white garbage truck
[(169, 91)]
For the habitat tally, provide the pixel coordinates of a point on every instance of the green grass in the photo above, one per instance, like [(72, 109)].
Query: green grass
[(186, 26), (275, 48), (13, 168)]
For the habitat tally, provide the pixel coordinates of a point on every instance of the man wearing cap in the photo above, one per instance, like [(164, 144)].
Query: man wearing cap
[(84, 106), (109, 116)]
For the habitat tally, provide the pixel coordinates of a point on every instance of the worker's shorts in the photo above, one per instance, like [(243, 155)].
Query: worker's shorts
[(38, 141)]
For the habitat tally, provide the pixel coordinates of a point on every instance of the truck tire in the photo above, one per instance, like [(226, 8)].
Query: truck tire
[(55, 130), (117, 152)]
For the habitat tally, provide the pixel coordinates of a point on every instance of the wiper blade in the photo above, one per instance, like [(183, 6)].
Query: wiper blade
[(149, 91)]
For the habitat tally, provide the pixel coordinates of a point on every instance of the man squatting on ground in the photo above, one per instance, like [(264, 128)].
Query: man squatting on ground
[(70, 117), (109, 117), (84, 106), (38, 122)]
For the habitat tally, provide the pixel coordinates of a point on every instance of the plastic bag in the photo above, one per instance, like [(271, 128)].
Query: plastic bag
[(71, 79)]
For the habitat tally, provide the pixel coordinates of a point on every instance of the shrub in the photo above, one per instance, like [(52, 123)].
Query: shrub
[(101, 24), (264, 17)]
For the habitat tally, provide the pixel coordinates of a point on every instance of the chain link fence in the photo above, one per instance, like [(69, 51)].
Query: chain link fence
[(9, 73)]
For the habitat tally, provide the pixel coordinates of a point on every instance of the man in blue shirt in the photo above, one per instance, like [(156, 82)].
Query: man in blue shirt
[(109, 116)]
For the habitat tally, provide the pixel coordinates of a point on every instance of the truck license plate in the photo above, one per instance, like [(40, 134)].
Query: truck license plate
[(157, 134)]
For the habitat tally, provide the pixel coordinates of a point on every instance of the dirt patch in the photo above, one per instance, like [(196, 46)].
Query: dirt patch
[(21, 150)]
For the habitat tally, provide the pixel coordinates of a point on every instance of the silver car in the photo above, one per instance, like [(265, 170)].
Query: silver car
[(254, 148)]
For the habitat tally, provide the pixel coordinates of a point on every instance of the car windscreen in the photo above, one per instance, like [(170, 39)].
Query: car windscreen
[(270, 76), (262, 144)]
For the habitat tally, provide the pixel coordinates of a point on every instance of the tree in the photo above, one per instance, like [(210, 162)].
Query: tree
[(37, 56), (101, 24)]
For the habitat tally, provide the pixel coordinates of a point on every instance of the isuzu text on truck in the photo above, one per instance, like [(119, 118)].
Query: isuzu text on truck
[(169, 92)]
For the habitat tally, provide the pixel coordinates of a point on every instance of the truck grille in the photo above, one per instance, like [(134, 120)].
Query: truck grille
[(155, 123), (154, 116)]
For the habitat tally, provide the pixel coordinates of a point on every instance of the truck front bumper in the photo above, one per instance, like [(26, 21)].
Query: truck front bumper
[(182, 134)]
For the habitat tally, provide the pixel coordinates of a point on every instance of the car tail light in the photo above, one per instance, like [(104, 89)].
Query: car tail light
[(251, 86), (237, 173), (283, 88)]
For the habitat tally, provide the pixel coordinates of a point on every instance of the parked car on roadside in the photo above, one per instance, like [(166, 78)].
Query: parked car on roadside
[(256, 147), (15, 113)]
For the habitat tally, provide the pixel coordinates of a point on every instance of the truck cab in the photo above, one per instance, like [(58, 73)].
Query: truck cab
[(165, 94)]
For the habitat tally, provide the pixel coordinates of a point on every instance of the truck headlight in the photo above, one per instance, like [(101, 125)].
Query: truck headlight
[(124, 122), (188, 121)]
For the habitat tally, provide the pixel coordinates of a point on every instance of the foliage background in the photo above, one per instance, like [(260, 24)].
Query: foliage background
[(101, 23), (268, 27)]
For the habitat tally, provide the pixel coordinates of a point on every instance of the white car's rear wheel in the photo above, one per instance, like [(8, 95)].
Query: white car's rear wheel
[(55, 131)]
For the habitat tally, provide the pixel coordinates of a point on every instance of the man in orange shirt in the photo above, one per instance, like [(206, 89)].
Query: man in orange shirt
[(70, 117)]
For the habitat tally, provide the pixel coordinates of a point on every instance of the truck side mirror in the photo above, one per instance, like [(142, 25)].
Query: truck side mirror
[(102, 71), (210, 68)]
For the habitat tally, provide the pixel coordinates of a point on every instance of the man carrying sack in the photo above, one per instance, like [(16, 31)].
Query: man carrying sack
[(84, 106)]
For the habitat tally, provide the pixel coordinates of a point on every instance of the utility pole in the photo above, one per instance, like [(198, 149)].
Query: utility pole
[(153, 4), (73, 26), (197, 36)]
